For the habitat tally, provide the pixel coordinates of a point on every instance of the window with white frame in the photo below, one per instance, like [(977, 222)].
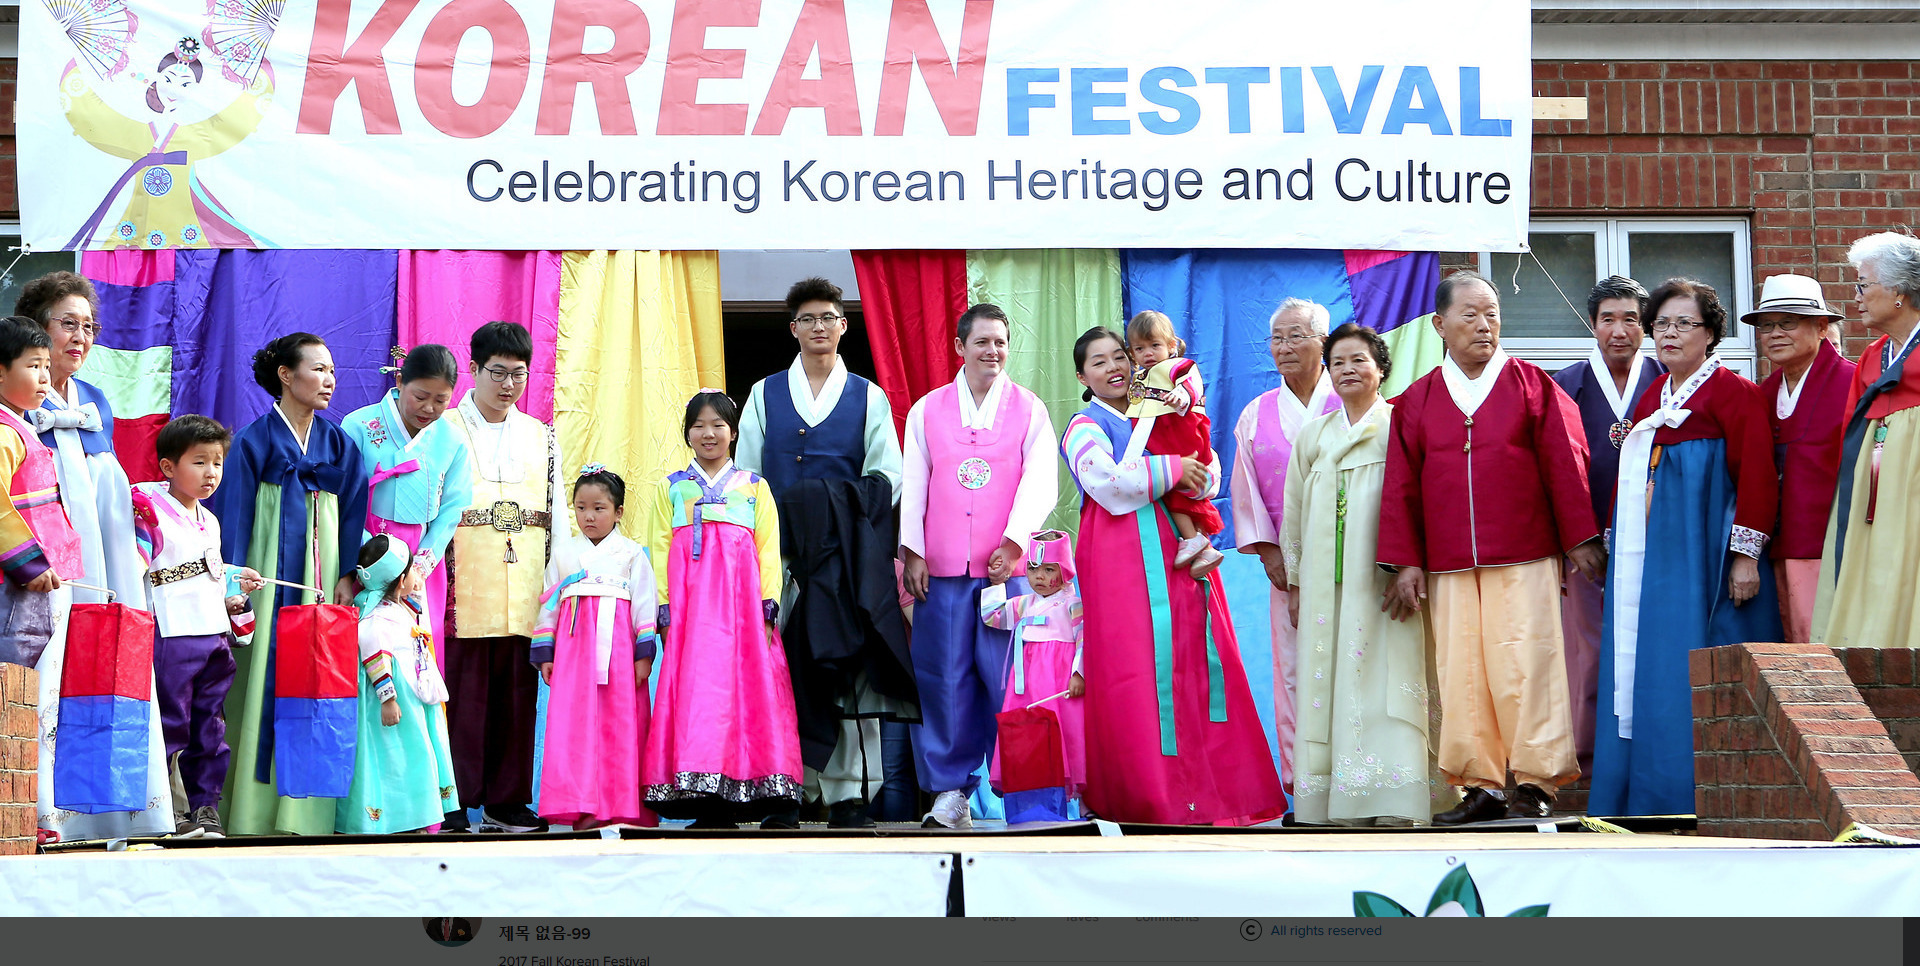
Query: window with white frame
[(23, 267), (1536, 322)]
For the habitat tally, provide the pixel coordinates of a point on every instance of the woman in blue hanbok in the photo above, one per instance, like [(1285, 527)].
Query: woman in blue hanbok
[(1693, 506), (292, 507)]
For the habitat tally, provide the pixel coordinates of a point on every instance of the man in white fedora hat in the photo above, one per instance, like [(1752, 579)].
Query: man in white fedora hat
[(1792, 325)]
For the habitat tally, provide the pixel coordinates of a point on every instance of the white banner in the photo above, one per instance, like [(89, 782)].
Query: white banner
[(703, 124)]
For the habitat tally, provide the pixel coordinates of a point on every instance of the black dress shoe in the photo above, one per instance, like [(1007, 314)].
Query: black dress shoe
[(851, 813), (455, 821), (1479, 805), (787, 819), (1530, 801)]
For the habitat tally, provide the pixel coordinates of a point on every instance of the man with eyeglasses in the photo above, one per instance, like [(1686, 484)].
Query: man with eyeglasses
[(1486, 489), (1604, 387), (497, 563), (1263, 442), (1808, 389), (823, 439)]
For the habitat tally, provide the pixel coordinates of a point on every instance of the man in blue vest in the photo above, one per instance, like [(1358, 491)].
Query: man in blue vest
[(823, 438)]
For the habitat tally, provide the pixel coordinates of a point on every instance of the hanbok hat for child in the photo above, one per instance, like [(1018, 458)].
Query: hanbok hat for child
[(375, 580), (1795, 294), (1151, 390), (1051, 547)]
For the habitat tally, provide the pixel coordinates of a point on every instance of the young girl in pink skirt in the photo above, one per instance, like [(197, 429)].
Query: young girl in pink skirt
[(1047, 634), (725, 746), (594, 644)]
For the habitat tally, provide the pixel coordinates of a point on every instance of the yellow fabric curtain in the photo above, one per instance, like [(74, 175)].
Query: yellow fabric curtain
[(639, 334)]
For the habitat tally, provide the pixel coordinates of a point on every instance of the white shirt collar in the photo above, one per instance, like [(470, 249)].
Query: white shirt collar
[(298, 439), (1620, 402), (812, 408), (702, 471), (1378, 401), (1787, 399), (980, 416), (1469, 393), (1293, 412)]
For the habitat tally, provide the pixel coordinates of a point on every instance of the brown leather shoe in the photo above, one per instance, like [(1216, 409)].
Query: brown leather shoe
[(1530, 801), (1479, 805)]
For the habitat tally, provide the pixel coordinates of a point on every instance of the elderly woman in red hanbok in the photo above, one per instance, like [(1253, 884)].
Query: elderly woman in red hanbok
[(1172, 736), (1693, 506), (1871, 561)]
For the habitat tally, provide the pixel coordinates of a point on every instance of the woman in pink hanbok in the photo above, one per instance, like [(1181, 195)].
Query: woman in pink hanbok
[(725, 745), (596, 621), (1172, 736)]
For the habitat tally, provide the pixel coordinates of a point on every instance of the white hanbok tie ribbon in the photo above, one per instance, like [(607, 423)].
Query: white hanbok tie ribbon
[(84, 417), (1629, 549), (612, 590)]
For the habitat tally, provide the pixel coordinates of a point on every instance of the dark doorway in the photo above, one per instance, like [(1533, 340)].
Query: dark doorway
[(758, 344)]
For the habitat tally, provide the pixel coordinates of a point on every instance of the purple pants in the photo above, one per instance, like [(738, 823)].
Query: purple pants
[(191, 678)]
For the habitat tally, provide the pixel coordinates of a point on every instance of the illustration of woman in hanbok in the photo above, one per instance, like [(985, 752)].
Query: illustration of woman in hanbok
[(167, 206)]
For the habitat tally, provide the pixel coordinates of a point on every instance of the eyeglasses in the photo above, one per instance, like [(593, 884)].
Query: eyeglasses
[(1290, 340), (1681, 324), (75, 327), (509, 376), (1785, 325), (817, 321), (1860, 288)]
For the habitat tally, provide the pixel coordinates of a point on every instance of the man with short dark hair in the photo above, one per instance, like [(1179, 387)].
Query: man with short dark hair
[(1486, 488), (1604, 388), (823, 439), (982, 472), (496, 573)]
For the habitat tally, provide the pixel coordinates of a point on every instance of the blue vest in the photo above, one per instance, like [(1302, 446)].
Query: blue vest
[(834, 450)]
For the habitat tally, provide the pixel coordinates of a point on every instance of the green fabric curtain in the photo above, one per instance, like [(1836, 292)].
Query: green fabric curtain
[(1050, 296)]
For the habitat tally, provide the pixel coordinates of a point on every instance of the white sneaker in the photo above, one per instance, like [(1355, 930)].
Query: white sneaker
[(1187, 549), (1205, 561), (950, 810)]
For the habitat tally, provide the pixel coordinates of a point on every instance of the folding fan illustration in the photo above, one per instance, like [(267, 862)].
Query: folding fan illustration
[(239, 31), (101, 31)]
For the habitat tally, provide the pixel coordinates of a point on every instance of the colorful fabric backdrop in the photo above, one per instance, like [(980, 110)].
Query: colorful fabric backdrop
[(622, 338)]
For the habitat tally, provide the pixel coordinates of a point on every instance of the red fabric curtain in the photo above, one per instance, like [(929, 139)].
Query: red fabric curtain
[(910, 300)]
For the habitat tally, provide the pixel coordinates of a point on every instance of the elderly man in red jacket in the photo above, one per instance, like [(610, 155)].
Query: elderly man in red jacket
[(1486, 489)]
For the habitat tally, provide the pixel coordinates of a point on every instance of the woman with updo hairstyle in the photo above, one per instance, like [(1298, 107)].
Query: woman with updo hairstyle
[(1694, 508), (1361, 744), (1870, 565), (293, 506), (421, 471), (76, 423)]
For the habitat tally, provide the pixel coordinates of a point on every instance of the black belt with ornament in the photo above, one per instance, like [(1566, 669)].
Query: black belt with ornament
[(506, 516)]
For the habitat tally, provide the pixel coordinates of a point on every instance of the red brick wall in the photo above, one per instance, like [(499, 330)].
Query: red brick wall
[(1784, 747), (1818, 153), (1887, 681), (19, 757), (9, 192)]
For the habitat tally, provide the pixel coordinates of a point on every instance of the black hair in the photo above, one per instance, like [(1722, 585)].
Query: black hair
[(1615, 287), (510, 339), (37, 300), (1375, 345), (1086, 339), (1443, 295), (284, 351), (153, 89), (815, 289), (616, 487), (370, 554), (430, 361), (723, 407), (1712, 313), (18, 334), (985, 310), (183, 434)]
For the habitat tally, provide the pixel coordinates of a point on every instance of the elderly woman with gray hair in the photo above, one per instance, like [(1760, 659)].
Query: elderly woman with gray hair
[(1871, 561), (1258, 491)]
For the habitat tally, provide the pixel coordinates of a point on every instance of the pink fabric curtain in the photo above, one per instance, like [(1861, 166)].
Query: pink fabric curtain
[(445, 295)]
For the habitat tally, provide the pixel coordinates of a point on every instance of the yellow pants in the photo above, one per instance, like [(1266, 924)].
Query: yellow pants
[(1503, 677)]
